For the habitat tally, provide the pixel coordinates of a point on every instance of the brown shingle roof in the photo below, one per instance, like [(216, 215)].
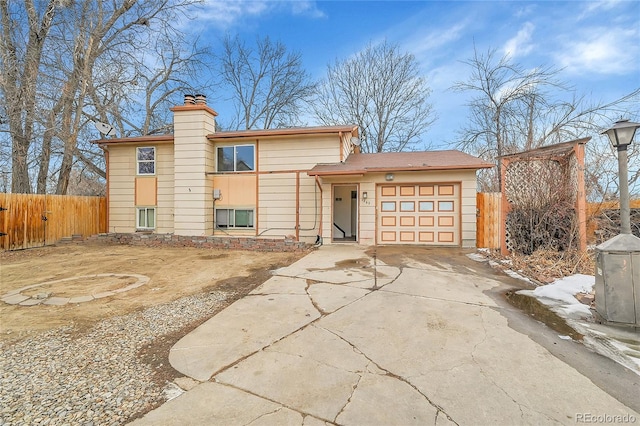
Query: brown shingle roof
[(401, 161)]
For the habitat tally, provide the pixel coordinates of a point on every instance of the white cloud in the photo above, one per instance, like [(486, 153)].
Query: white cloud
[(595, 7), (604, 51), (441, 38), (521, 44), (307, 8), (526, 10), (425, 46), (227, 13), (224, 14)]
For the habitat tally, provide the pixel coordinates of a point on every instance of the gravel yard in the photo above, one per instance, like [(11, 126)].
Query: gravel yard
[(109, 367)]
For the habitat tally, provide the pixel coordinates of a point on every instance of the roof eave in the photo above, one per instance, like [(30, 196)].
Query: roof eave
[(398, 169), (281, 132), (428, 168), (134, 140), (337, 173)]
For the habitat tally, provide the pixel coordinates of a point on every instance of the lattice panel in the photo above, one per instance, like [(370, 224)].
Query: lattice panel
[(526, 181), (541, 190)]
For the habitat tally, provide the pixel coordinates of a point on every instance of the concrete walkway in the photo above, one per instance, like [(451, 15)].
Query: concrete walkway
[(326, 342)]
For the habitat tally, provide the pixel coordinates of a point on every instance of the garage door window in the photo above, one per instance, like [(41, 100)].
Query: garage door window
[(445, 206), (388, 206), (426, 206), (407, 206)]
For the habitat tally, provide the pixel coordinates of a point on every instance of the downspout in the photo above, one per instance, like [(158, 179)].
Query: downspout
[(105, 149), (319, 238), (256, 220), (297, 206)]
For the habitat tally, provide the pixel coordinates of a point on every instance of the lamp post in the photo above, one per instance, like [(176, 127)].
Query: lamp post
[(617, 285), (621, 135)]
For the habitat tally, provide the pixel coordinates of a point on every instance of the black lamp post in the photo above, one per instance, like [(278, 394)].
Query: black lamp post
[(621, 135)]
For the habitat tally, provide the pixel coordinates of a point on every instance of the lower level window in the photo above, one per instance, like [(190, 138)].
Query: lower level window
[(234, 218), (146, 218)]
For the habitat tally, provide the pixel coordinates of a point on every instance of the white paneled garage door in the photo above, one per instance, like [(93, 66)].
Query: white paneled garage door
[(427, 214)]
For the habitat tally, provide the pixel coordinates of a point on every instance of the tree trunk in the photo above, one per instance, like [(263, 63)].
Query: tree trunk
[(19, 168), (45, 152)]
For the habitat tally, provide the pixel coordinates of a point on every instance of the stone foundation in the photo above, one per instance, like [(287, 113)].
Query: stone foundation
[(170, 240)]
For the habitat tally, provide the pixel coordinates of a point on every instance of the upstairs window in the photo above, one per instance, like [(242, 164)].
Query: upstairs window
[(236, 158), (146, 158)]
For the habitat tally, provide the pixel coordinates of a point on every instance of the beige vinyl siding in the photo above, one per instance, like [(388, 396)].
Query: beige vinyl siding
[(122, 177), (164, 171), (122, 174), (469, 212), (367, 213), (193, 199), (298, 153), (277, 204), (309, 209), (346, 145)]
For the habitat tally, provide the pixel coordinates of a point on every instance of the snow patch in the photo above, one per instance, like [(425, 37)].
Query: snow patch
[(566, 288)]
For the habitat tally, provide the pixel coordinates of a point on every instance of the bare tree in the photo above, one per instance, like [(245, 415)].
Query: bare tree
[(268, 83), (22, 40), (516, 109), (381, 90), (83, 61)]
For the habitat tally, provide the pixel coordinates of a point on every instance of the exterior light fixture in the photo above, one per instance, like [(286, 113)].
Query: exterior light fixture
[(364, 195), (388, 177), (621, 135)]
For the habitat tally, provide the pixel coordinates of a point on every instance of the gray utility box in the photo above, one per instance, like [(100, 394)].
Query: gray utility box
[(618, 280)]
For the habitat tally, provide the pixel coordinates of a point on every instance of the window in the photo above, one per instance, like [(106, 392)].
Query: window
[(234, 218), (236, 158), (388, 206), (146, 218), (445, 206), (407, 206), (146, 157), (426, 206)]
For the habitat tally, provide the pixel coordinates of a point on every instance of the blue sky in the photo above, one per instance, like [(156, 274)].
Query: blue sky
[(596, 43)]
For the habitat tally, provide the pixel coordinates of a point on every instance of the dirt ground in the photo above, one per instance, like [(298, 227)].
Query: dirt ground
[(173, 273)]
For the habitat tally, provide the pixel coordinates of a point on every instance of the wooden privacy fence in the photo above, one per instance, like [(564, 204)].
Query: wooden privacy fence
[(488, 218), (596, 211), (34, 220)]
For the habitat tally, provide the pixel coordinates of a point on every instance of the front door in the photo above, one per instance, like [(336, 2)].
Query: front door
[(345, 213)]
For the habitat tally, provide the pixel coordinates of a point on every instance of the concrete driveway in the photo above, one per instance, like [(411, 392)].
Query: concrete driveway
[(419, 339)]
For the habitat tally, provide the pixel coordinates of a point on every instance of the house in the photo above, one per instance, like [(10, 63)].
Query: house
[(310, 184)]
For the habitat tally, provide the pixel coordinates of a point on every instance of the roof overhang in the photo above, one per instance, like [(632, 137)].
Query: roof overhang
[(134, 140), (548, 150), (411, 162), (292, 131), (321, 173)]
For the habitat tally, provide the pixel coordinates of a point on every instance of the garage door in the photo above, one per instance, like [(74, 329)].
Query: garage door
[(419, 214)]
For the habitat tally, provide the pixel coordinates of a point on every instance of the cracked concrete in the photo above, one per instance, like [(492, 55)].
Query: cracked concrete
[(317, 344)]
